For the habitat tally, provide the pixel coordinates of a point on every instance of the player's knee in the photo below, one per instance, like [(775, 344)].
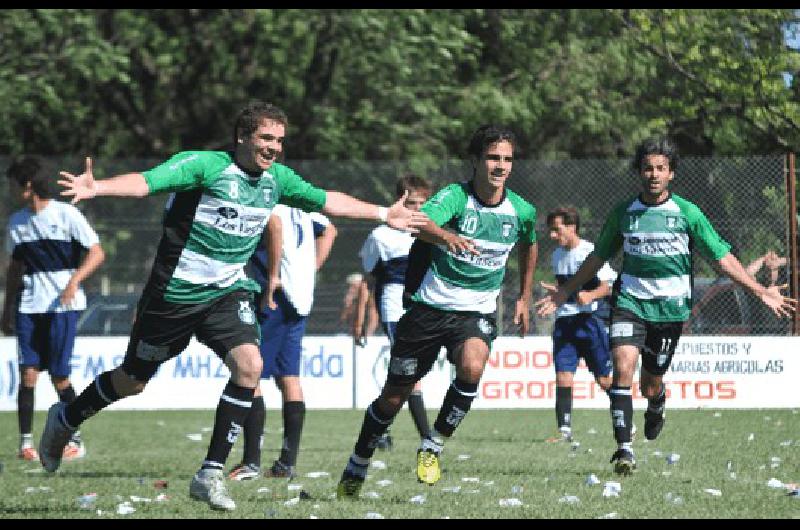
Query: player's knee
[(604, 382)]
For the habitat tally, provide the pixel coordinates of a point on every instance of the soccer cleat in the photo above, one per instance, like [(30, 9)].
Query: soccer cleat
[(28, 453), (208, 486), (280, 470), (244, 472), (653, 423), (54, 438), (428, 470), (384, 443), (73, 451), (349, 485), (564, 435), (624, 462)]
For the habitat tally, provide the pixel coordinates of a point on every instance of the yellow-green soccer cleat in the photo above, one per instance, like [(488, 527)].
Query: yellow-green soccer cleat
[(428, 470), (349, 486)]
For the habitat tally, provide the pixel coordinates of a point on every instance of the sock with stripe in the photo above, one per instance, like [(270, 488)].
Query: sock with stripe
[(94, 398), (232, 410), (621, 413), (455, 406), (375, 424)]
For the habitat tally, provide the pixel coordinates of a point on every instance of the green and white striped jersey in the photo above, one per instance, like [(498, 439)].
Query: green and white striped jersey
[(215, 220), (466, 282), (657, 242)]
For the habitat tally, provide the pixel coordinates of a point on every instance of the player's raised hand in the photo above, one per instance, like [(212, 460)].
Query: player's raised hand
[(402, 218), (79, 187), (782, 306)]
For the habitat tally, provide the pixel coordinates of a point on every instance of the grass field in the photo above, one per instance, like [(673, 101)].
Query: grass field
[(494, 456)]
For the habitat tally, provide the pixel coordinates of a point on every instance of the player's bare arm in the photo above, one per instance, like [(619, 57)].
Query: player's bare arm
[(85, 186), (528, 254), (340, 204), (772, 296)]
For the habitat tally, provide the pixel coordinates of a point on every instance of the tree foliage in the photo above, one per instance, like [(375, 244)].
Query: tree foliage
[(398, 84)]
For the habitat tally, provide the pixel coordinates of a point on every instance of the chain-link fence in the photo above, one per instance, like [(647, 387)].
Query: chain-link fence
[(744, 197)]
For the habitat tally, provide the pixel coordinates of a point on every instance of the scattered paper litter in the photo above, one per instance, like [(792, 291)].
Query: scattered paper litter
[(417, 499), (373, 515), (37, 489), (294, 487), (161, 423), (470, 479), (612, 515), (384, 482), (717, 414), (125, 508), (262, 490), (673, 458), (592, 431), (463, 457), (86, 502), (592, 479), (569, 499), (135, 498), (714, 492), (195, 436), (292, 502), (452, 489), (206, 429), (513, 501), (517, 489), (774, 483), (786, 443), (672, 498), (751, 437), (372, 495), (612, 489), (162, 497), (317, 474), (378, 464)]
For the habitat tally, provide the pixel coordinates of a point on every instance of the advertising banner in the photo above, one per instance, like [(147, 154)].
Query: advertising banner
[(714, 372)]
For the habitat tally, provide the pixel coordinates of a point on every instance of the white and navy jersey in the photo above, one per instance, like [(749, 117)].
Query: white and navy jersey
[(49, 244), (298, 259), (385, 256), (566, 263)]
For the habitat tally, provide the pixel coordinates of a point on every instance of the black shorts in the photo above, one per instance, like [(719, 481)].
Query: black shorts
[(656, 340), (421, 333), (163, 329)]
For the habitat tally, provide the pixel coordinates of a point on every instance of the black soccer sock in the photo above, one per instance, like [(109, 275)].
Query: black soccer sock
[(376, 422), (455, 406), (657, 403), (294, 413), (416, 406), (25, 409), (94, 398), (67, 395), (621, 412), (254, 432), (564, 406), (234, 405)]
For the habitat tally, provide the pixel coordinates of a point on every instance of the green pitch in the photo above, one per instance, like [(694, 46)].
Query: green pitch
[(494, 456)]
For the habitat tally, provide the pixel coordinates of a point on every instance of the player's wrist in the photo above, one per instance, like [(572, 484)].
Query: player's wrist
[(383, 213)]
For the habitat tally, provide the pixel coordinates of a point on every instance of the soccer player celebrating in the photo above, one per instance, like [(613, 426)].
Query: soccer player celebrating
[(656, 231), (198, 286), (455, 302)]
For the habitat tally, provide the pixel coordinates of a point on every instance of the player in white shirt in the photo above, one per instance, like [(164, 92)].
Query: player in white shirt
[(578, 330), (295, 246), (384, 257), (53, 249)]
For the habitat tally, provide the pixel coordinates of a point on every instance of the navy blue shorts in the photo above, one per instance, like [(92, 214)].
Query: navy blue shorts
[(581, 335), (282, 331), (46, 341)]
